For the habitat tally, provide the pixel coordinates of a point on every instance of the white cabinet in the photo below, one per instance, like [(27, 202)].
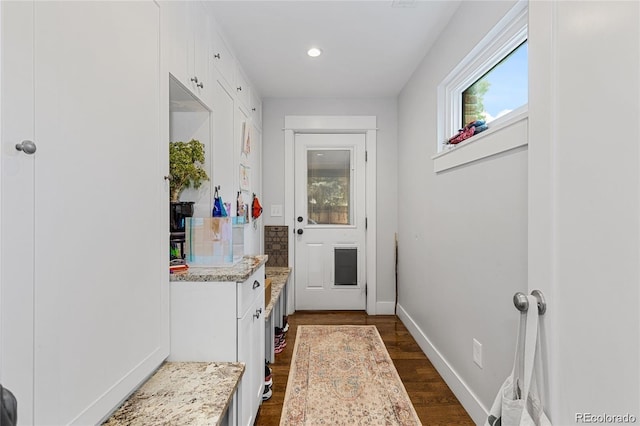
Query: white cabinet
[(200, 75), (223, 321), (187, 46), (223, 60), (251, 352), (242, 88), (224, 168), (175, 46), (256, 110), (89, 74)]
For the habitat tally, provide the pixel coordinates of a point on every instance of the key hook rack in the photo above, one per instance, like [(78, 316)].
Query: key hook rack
[(522, 304)]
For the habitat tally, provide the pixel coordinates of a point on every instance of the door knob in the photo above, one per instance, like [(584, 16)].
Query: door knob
[(300, 231), (26, 146)]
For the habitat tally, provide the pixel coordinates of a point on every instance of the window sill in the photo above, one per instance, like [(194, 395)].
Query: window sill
[(483, 145)]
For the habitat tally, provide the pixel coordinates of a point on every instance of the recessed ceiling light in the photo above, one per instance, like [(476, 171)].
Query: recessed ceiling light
[(314, 52)]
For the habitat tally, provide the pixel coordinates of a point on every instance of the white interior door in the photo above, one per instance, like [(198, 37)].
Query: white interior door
[(17, 212), (330, 225), (100, 253)]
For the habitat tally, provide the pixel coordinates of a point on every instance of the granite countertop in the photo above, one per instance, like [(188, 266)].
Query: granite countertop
[(182, 393), (279, 277), (238, 272)]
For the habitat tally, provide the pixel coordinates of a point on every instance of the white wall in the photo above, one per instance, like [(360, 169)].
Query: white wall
[(184, 126), (584, 198), (462, 232), (274, 111)]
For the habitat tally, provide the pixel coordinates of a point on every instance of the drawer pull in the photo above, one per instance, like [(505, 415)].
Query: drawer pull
[(256, 284)]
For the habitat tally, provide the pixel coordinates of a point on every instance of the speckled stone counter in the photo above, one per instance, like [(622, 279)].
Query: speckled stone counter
[(237, 272), (182, 393), (279, 277)]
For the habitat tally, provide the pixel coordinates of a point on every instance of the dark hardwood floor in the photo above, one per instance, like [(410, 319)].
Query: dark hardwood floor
[(433, 400)]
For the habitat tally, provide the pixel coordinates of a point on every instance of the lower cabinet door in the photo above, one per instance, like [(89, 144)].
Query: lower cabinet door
[(257, 331), (246, 415), (251, 352)]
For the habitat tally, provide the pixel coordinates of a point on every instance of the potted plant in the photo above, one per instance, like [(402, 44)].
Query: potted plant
[(186, 169)]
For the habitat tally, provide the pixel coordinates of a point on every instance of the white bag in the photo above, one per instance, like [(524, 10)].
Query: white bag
[(509, 408)]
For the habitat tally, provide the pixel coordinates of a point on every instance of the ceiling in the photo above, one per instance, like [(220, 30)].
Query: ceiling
[(370, 48)]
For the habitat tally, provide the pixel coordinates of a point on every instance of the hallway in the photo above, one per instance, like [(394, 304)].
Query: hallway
[(433, 400)]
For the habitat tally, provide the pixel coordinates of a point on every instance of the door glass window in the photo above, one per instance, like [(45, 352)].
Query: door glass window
[(329, 187)]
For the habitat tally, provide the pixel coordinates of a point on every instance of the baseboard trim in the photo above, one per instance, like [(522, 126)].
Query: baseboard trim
[(460, 389), (115, 396), (385, 308)]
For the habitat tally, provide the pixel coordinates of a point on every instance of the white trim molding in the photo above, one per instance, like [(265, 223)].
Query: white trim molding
[(334, 124), (507, 35), (511, 134), (385, 308)]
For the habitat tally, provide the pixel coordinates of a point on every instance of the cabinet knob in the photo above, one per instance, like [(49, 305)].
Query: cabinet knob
[(256, 284), (257, 314), (217, 56), (26, 146), (253, 109), (239, 89), (194, 79), (200, 85)]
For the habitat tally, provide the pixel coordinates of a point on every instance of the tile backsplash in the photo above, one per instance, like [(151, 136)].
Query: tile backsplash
[(276, 245)]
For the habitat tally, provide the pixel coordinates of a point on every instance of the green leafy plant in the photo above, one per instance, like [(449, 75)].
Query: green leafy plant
[(186, 161)]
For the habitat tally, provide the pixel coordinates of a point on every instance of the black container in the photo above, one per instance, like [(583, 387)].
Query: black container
[(178, 211)]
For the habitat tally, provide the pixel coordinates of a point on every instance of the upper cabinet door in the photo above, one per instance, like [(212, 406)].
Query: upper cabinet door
[(256, 109), (200, 80), (176, 39), (186, 45), (243, 91), (222, 60)]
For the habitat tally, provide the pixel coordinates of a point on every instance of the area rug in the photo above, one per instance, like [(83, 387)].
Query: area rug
[(343, 375)]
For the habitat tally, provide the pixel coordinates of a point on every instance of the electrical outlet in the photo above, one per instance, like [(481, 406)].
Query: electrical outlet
[(276, 210), (477, 353)]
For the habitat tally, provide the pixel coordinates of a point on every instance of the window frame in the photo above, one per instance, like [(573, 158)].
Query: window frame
[(506, 36), (487, 72)]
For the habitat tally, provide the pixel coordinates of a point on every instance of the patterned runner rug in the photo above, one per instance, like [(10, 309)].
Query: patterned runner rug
[(343, 375)]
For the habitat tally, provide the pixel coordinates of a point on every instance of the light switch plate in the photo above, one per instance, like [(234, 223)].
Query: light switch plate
[(276, 210)]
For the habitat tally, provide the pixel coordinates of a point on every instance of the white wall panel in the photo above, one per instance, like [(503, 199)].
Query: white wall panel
[(463, 231), (585, 203)]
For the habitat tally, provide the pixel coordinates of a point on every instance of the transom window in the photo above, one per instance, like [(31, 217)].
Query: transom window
[(499, 91), (490, 84)]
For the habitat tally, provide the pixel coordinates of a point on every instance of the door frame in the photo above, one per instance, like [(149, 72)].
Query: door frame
[(334, 124)]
